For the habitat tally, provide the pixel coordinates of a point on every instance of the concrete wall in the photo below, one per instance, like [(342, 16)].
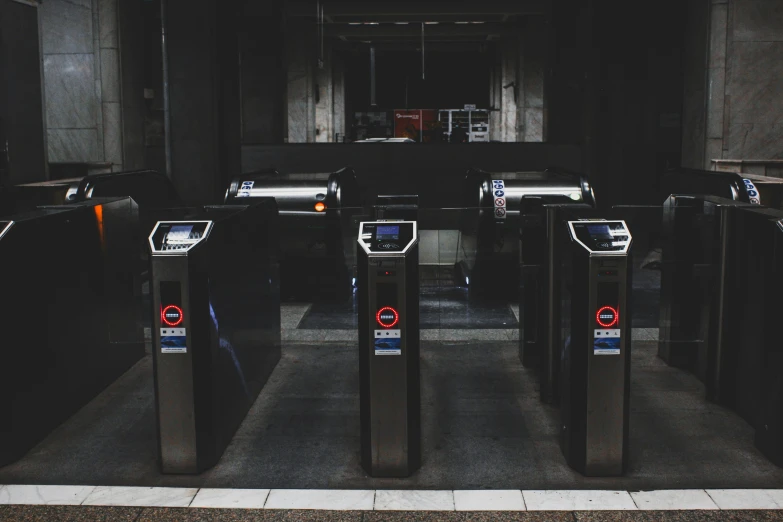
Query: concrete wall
[(738, 114)]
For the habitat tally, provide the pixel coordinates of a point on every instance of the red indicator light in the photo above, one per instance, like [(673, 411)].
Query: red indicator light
[(387, 317), (172, 315), (607, 316)]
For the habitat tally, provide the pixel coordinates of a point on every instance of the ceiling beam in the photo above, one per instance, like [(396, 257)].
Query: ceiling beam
[(372, 32), (422, 10)]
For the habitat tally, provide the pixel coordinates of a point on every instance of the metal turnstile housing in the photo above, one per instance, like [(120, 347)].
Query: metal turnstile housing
[(389, 364), (316, 226), (216, 329), (596, 326), (488, 251)]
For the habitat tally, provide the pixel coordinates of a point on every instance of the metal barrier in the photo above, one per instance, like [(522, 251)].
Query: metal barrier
[(317, 235), (488, 245), (70, 313)]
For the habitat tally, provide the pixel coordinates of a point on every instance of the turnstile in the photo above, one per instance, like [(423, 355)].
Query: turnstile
[(534, 255), (316, 220), (388, 264), (539, 306), (488, 250), (70, 313), (216, 329), (596, 326), (693, 281)]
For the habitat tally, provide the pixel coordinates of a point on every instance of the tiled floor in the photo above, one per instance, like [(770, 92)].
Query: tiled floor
[(483, 427)]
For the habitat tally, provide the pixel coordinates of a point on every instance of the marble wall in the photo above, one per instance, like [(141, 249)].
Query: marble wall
[(324, 106), (299, 44), (744, 84), (517, 86), (82, 94)]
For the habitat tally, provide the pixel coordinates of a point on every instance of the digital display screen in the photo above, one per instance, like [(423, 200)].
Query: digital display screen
[(387, 232), (179, 232), (599, 231)]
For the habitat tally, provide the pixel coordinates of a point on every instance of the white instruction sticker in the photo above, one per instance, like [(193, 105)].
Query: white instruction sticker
[(173, 340), (388, 342)]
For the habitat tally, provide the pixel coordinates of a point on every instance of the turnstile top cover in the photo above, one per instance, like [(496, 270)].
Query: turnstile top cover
[(387, 237), (599, 236)]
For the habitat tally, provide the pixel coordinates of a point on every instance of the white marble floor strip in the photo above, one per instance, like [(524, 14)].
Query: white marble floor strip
[(328, 499), (489, 500), (395, 500), (577, 500), (414, 500), (139, 496), (44, 495), (747, 498), (230, 498), (674, 499)]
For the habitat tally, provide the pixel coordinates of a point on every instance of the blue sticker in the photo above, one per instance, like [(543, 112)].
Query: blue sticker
[(606, 346), (499, 193), (388, 346), (752, 193), (173, 344)]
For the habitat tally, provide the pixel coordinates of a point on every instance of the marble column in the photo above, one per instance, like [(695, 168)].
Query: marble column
[(533, 58), (324, 106), (338, 80), (72, 81), (716, 82), (509, 89), (300, 52), (111, 93)]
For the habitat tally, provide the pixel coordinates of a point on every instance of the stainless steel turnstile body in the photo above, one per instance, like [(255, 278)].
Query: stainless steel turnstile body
[(388, 263), (216, 330), (596, 326)]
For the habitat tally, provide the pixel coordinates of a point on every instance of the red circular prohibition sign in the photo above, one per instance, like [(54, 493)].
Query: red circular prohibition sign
[(393, 312), (174, 308), (615, 314)]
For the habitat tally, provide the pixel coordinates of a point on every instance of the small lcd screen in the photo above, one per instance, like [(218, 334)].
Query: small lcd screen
[(387, 232), (599, 231), (179, 232)]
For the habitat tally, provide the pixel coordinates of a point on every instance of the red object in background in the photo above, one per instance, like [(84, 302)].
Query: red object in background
[(409, 123)]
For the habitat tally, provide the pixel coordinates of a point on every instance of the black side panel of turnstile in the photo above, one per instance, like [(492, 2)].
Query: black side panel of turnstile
[(533, 256), (751, 280), (769, 429), (557, 241), (62, 292)]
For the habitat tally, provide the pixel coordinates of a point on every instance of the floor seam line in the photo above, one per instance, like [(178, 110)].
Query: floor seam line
[(194, 497), (266, 498), (713, 500), (633, 500)]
